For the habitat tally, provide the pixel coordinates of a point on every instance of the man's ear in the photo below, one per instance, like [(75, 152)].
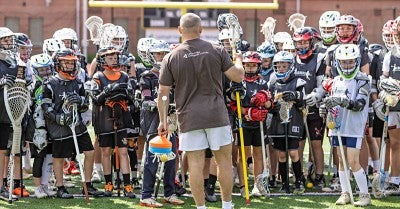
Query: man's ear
[(180, 29), (200, 29)]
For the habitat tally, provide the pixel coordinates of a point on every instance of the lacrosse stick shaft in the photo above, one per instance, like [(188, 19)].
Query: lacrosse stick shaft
[(72, 127), (244, 164), (330, 156), (344, 163), (382, 173), (310, 151), (265, 173), (182, 170), (116, 153), (11, 179)]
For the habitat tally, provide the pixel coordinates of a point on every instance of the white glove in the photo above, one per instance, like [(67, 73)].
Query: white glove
[(379, 108), (311, 99)]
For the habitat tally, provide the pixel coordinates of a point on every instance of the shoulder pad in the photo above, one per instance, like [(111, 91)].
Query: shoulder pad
[(362, 76), (300, 82)]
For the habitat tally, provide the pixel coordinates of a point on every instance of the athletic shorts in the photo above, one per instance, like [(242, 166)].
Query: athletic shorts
[(251, 137), (5, 135), (34, 151), (279, 143), (66, 148), (352, 142), (108, 140), (377, 127), (394, 120), (316, 127), (201, 139)]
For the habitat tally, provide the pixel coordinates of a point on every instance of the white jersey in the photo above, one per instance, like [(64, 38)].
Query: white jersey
[(352, 123)]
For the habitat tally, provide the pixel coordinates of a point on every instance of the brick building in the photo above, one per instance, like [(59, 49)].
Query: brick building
[(40, 18)]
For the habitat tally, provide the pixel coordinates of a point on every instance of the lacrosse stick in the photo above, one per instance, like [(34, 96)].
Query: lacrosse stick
[(75, 121), (161, 146), (17, 100), (268, 28), (234, 29), (284, 114), (296, 21), (330, 156), (262, 180), (93, 24), (107, 33), (334, 123), (305, 113), (378, 183)]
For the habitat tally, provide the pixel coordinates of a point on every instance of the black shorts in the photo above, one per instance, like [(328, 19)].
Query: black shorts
[(251, 137), (279, 143), (135, 131), (377, 127), (316, 127), (108, 140), (34, 151), (66, 148), (5, 135)]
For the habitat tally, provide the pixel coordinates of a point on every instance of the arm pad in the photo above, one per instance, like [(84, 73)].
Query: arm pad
[(357, 105)]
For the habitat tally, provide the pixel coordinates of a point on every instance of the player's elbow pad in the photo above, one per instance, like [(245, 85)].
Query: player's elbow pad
[(357, 105)]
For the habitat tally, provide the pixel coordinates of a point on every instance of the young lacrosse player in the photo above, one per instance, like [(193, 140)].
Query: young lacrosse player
[(291, 89), (255, 104), (347, 106), (61, 93), (40, 146), (149, 124), (111, 95)]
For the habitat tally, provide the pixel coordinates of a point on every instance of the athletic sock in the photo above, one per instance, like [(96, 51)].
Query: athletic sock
[(361, 181), (298, 173), (282, 171), (126, 178), (108, 178), (226, 205), (343, 182)]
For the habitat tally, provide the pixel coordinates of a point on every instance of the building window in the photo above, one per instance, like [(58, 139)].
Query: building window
[(36, 31), (13, 24)]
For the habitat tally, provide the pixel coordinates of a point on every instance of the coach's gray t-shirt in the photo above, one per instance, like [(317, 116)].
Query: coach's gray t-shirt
[(196, 67)]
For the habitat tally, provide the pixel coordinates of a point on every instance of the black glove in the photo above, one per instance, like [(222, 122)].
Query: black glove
[(117, 96), (244, 46), (73, 98), (64, 119), (7, 80), (238, 87), (289, 96), (117, 87)]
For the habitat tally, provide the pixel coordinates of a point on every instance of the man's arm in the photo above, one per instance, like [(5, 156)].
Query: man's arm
[(162, 91), (236, 72)]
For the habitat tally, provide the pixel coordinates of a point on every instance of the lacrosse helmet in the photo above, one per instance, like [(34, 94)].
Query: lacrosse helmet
[(42, 65), (344, 37), (65, 34), (66, 63), (347, 60), (251, 57), (52, 45), (327, 24), (387, 34), (157, 47), (396, 33), (106, 59), (7, 39), (304, 34), (224, 36), (266, 50), (289, 46), (24, 46), (125, 62), (280, 57), (279, 38), (142, 48), (222, 21)]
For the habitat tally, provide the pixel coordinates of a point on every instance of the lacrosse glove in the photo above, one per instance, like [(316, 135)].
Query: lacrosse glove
[(256, 114), (379, 108), (7, 80), (64, 119), (261, 97), (238, 87), (291, 96)]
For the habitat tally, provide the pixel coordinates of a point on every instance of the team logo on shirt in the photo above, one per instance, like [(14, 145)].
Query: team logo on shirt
[(395, 68)]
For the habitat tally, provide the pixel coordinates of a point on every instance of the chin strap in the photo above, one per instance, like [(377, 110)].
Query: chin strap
[(252, 78)]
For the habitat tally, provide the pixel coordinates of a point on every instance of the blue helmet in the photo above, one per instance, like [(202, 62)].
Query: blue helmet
[(283, 56), (266, 50)]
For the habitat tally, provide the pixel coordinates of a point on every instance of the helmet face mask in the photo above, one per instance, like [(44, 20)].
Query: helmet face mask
[(7, 43), (67, 35), (347, 29), (42, 66), (142, 48), (108, 59), (157, 52), (283, 64), (66, 64), (303, 39), (251, 63), (347, 60), (327, 24)]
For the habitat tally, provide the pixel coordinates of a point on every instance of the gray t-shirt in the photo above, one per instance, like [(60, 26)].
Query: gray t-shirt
[(195, 67)]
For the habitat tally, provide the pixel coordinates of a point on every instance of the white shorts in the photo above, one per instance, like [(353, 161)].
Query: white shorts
[(394, 119), (201, 139)]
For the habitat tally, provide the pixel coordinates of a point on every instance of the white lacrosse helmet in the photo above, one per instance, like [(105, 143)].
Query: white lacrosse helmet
[(327, 24), (66, 34), (347, 60), (142, 48), (42, 60), (224, 34), (113, 36), (281, 37), (288, 46), (52, 45), (6, 32), (396, 33), (283, 56), (157, 46)]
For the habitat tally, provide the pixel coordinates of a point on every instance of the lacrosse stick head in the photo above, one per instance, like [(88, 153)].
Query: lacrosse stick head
[(235, 30), (284, 110), (17, 100), (93, 24), (262, 184), (296, 21), (268, 28)]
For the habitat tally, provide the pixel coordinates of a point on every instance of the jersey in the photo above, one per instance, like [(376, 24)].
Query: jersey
[(4, 70), (295, 127), (53, 96), (391, 65), (104, 115), (352, 123)]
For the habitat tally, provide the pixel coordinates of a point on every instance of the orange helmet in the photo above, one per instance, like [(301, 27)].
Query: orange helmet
[(101, 59), (64, 69)]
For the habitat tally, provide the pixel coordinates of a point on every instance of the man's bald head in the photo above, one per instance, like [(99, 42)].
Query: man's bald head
[(190, 24)]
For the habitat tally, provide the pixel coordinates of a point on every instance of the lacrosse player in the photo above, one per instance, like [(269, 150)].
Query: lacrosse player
[(40, 146), (60, 93), (149, 123), (292, 90), (255, 104), (111, 93), (348, 104), (308, 65), (390, 69)]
